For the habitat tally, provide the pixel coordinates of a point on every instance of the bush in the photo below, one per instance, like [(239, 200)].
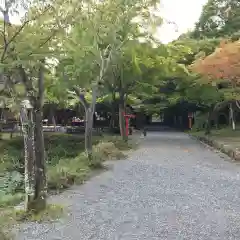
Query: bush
[(200, 121), (10, 199), (68, 172), (52, 212), (107, 151), (59, 146), (119, 143)]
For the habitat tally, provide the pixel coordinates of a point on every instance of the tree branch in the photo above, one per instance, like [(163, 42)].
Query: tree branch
[(41, 84), (7, 43)]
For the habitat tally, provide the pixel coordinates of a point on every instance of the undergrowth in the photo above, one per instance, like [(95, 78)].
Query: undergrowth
[(67, 163), (12, 217)]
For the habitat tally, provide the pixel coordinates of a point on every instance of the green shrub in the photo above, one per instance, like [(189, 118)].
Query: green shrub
[(52, 212), (10, 199), (200, 121), (11, 182), (107, 150), (68, 172), (119, 143)]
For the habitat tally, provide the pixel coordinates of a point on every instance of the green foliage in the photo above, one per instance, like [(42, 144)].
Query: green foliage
[(76, 170), (7, 199), (120, 144), (66, 162), (200, 121), (219, 18), (11, 182), (67, 172), (58, 146), (191, 49), (107, 151), (51, 213), (202, 94)]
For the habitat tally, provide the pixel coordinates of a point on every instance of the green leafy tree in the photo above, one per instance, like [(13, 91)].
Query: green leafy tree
[(219, 18), (103, 30), (25, 50)]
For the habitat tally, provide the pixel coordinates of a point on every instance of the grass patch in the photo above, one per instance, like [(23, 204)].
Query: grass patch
[(10, 199), (11, 217), (51, 213), (67, 172), (225, 136), (77, 170), (59, 148), (219, 133), (120, 144)]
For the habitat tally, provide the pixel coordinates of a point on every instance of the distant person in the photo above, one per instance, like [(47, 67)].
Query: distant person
[(144, 130)]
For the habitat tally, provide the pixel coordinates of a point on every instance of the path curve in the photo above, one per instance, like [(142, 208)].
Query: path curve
[(171, 188)]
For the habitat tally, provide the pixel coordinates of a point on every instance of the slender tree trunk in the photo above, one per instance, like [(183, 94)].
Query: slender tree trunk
[(121, 117), (40, 194), (209, 119), (89, 111), (112, 120), (88, 133), (26, 117), (232, 116), (40, 188)]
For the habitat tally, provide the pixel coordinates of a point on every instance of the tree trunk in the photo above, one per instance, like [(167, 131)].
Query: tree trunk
[(89, 111), (232, 116), (26, 117), (88, 133), (40, 194), (35, 176), (209, 119), (52, 117), (112, 120), (122, 118)]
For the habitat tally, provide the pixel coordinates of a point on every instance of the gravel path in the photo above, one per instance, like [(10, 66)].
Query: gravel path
[(171, 188)]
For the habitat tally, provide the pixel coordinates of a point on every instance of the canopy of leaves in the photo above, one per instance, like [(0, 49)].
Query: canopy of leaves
[(222, 66), (224, 63), (195, 48), (219, 18)]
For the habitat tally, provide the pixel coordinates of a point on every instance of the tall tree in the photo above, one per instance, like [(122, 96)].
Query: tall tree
[(219, 18), (25, 50), (222, 68), (103, 30)]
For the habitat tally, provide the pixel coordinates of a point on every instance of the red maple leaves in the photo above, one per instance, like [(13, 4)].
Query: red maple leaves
[(223, 64)]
